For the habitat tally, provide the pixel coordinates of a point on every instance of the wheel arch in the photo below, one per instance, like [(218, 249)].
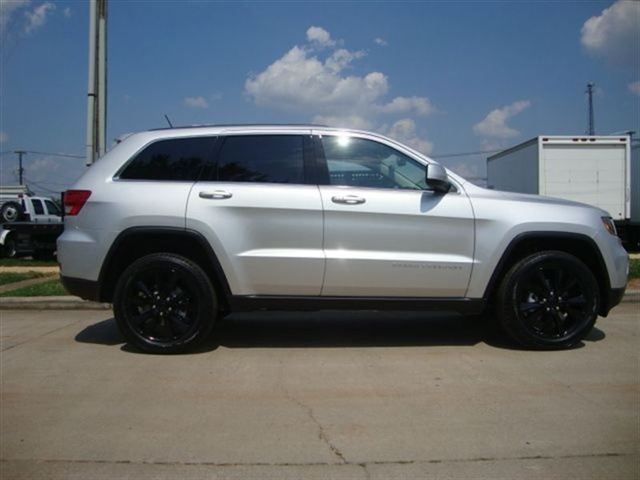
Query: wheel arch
[(136, 242), (580, 246)]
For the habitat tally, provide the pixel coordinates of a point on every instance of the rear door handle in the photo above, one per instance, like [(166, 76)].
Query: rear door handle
[(348, 199), (216, 195)]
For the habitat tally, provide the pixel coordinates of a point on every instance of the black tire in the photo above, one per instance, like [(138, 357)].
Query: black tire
[(11, 212), (44, 255), (164, 303), (9, 249), (548, 301)]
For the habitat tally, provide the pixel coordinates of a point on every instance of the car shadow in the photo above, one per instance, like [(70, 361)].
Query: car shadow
[(331, 329)]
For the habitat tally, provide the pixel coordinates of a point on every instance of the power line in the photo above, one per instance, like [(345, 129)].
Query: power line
[(465, 154), (52, 154), (40, 187)]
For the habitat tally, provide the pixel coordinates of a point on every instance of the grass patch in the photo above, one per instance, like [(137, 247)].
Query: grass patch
[(46, 289), (26, 262), (634, 268), (12, 277)]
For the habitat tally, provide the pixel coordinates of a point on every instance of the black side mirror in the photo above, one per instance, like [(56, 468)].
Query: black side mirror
[(437, 179)]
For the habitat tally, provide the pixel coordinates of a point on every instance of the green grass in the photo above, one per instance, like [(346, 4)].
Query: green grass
[(634, 268), (46, 289), (11, 277), (24, 262)]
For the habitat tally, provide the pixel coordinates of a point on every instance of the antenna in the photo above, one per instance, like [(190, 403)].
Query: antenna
[(592, 130), (168, 121)]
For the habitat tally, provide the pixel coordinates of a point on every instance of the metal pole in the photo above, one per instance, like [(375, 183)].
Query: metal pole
[(102, 77), (91, 96), (20, 169), (592, 130)]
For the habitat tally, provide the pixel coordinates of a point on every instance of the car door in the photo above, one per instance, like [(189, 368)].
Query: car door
[(385, 233), (260, 215)]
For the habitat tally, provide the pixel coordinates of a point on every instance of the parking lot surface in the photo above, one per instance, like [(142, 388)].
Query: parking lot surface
[(317, 395)]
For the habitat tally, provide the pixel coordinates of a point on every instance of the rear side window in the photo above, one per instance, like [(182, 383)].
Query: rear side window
[(261, 158), (37, 207), (178, 159)]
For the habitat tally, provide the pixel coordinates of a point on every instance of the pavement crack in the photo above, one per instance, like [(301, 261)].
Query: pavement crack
[(322, 435)]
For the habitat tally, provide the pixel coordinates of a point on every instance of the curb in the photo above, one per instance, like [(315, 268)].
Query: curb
[(50, 303), (76, 303)]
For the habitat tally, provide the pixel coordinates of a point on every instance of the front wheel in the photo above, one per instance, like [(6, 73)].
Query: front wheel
[(548, 300), (164, 303)]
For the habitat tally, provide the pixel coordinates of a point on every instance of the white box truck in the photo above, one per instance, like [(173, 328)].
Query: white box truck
[(597, 170)]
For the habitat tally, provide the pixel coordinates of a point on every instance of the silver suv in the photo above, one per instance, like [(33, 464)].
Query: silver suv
[(178, 227)]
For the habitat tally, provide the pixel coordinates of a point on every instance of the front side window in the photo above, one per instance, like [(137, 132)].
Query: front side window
[(359, 162), (261, 158), (52, 208), (177, 159)]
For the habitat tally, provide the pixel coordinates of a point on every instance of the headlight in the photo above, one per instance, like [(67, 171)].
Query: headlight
[(609, 225)]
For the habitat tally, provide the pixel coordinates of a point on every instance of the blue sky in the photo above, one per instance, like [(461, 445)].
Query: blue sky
[(445, 77)]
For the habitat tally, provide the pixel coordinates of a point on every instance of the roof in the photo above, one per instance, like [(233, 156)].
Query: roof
[(243, 125)]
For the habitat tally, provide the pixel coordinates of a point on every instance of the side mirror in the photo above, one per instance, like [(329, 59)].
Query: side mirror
[(437, 179)]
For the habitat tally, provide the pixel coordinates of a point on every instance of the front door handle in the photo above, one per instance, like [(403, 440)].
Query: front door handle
[(348, 199), (216, 195)]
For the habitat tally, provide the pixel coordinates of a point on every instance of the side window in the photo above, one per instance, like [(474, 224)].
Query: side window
[(261, 158), (37, 206), (178, 159), (358, 162), (52, 208)]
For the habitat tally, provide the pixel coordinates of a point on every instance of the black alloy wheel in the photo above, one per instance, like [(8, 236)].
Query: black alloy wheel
[(549, 300), (164, 303)]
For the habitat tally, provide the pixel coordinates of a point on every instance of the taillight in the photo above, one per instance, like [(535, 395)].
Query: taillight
[(74, 200)]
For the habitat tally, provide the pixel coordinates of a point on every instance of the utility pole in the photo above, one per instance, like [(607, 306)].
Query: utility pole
[(592, 130), (20, 169), (97, 85)]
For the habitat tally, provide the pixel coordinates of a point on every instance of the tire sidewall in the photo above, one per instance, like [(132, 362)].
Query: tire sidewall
[(204, 317), (11, 204), (508, 313)]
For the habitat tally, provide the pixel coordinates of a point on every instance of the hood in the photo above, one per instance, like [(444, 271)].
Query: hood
[(476, 191)]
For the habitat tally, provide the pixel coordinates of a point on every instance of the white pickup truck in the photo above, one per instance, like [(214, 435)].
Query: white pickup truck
[(29, 225)]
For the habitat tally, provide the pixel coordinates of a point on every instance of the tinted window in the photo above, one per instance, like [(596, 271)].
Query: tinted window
[(37, 207), (52, 208), (175, 159), (359, 162), (262, 158)]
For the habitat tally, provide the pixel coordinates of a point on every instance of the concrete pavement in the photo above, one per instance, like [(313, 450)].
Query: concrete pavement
[(316, 395)]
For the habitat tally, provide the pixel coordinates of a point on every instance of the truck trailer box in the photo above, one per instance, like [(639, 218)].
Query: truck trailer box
[(597, 170)]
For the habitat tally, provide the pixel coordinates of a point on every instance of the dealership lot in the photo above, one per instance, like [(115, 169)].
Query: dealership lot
[(317, 395)]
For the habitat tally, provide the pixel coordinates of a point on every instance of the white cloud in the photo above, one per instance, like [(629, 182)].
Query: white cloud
[(615, 33), (381, 41), (634, 88), (7, 9), (302, 81), (196, 102), (346, 121), (494, 124), (419, 105), (67, 12), (37, 17), (319, 36), (4, 138), (405, 131)]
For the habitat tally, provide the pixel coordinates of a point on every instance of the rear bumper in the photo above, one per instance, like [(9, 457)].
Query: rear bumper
[(87, 289)]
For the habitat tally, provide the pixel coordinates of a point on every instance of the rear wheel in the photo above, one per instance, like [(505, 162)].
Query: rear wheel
[(548, 300), (164, 303)]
